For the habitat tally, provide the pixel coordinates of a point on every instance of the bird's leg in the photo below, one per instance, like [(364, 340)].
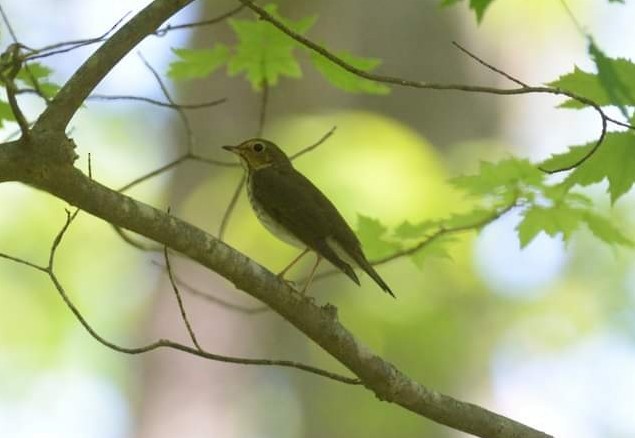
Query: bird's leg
[(293, 262), (312, 274)]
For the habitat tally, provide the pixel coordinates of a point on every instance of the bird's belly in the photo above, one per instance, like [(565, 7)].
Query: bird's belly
[(274, 227)]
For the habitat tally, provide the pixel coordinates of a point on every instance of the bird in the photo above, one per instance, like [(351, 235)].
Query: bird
[(293, 209)]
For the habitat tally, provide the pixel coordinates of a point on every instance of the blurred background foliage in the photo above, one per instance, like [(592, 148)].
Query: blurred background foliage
[(543, 334)]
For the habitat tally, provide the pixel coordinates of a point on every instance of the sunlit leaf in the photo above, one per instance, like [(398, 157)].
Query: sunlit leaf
[(263, 53), (5, 113), (345, 80), (436, 248), (500, 178), (614, 161), (34, 72), (478, 6), (618, 77), (373, 235), (198, 63), (563, 220), (408, 230), (614, 86)]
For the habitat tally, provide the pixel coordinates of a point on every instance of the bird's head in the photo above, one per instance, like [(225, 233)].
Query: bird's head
[(259, 153)]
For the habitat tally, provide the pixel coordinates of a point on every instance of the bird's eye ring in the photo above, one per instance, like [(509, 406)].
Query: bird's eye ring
[(258, 147)]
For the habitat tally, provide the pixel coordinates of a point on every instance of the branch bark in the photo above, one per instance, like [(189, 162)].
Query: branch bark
[(45, 158)]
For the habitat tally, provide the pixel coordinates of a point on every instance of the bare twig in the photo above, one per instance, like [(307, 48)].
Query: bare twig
[(155, 172), (175, 288), (167, 28), (314, 145), (67, 46), (490, 66), (393, 80), (170, 105), (162, 343), (164, 89), (230, 207), (11, 62), (7, 23), (439, 233), (248, 310)]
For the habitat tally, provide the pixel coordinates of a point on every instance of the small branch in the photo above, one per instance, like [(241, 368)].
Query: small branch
[(393, 80), (175, 288), (68, 100), (263, 108), (314, 145), (164, 89), (215, 300), (155, 102), (168, 28), (230, 208), (11, 62), (67, 46), (155, 172), (162, 343), (490, 66), (442, 231)]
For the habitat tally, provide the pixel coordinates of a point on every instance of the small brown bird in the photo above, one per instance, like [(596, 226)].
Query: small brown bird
[(297, 212)]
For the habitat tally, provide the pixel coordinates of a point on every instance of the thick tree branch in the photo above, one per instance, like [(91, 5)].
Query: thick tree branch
[(81, 84), (318, 323)]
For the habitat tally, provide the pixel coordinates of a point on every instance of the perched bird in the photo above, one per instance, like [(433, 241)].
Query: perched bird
[(297, 212)]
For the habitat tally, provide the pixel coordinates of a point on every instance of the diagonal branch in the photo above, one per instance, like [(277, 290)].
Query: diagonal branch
[(62, 108), (320, 324)]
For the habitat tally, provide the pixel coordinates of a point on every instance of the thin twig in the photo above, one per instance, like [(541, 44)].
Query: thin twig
[(189, 135), (248, 310), (162, 343), (440, 232), (262, 119), (230, 208), (67, 46), (167, 28), (393, 80), (12, 62), (170, 105), (155, 172), (314, 145), (175, 288), (7, 23), (264, 100), (489, 66)]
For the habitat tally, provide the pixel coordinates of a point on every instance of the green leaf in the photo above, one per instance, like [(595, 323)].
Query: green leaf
[(408, 230), (345, 80), (551, 220), (436, 248), (478, 6), (5, 113), (36, 72), (615, 88), (565, 220), (198, 63), (614, 84), (500, 178), (605, 231), (373, 235), (263, 53), (614, 161)]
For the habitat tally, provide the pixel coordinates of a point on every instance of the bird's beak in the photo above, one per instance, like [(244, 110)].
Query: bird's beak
[(234, 149)]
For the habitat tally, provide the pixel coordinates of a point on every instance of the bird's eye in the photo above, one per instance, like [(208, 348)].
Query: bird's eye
[(258, 147)]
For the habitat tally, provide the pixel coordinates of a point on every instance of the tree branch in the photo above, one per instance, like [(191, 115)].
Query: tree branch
[(318, 323), (62, 108)]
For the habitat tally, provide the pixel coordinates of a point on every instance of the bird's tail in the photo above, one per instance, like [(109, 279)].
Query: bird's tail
[(368, 268)]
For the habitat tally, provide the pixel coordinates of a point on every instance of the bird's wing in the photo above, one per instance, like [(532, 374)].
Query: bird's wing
[(304, 211), (299, 206)]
